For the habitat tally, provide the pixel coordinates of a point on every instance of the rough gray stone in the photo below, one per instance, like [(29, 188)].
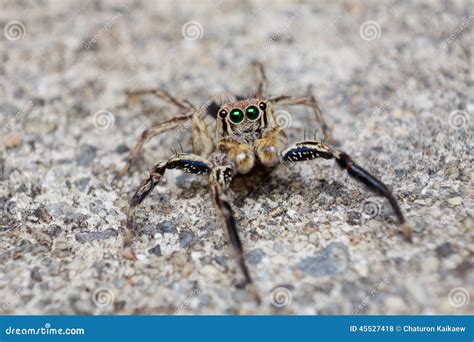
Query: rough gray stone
[(332, 260), (445, 250), (255, 256), (167, 227), (155, 250), (186, 237), (86, 155)]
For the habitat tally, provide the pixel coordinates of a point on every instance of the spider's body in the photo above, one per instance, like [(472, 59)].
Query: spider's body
[(246, 134)]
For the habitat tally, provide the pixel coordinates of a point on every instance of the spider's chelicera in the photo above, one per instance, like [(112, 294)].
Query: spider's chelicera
[(247, 134)]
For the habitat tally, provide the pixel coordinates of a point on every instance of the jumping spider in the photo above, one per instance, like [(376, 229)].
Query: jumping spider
[(247, 134)]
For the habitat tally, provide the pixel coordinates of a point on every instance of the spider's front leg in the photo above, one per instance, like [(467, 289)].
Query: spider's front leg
[(219, 180), (308, 150), (186, 162), (147, 135), (201, 138)]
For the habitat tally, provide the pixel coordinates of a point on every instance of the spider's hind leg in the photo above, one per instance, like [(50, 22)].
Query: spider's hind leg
[(202, 141), (182, 105), (310, 149), (262, 83), (308, 101), (219, 180)]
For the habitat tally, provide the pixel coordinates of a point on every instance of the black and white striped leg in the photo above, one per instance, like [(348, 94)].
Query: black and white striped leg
[(189, 163), (308, 150), (220, 179)]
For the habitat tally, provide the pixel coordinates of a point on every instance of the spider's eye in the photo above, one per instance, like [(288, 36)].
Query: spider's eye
[(236, 115), (223, 113), (252, 113), (262, 105)]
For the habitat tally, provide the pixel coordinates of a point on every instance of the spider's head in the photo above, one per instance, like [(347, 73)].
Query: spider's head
[(243, 117)]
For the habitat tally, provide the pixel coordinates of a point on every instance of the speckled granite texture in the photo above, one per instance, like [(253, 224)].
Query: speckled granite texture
[(395, 82)]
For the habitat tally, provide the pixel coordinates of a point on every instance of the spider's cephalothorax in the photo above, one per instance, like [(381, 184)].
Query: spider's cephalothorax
[(247, 134), (244, 117)]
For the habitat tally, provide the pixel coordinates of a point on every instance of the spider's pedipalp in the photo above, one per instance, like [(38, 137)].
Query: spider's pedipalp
[(269, 146), (309, 150)]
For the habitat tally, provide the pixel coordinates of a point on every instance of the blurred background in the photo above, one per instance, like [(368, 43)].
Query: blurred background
[(393, 78)]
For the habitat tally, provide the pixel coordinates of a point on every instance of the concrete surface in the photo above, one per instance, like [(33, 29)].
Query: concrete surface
[(394, 79)]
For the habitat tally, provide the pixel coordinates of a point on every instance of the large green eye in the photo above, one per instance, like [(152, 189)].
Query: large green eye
[(236, 115), (252, 113)]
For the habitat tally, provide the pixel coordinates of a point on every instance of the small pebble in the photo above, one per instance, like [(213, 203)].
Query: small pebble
[(332, 260), (455, 201), (185, 238), (326, 234), (277, 212), (444, 250), (87, 154), (255, 256), (155, 250), (35, 274), (167, 227), (13, 140)]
